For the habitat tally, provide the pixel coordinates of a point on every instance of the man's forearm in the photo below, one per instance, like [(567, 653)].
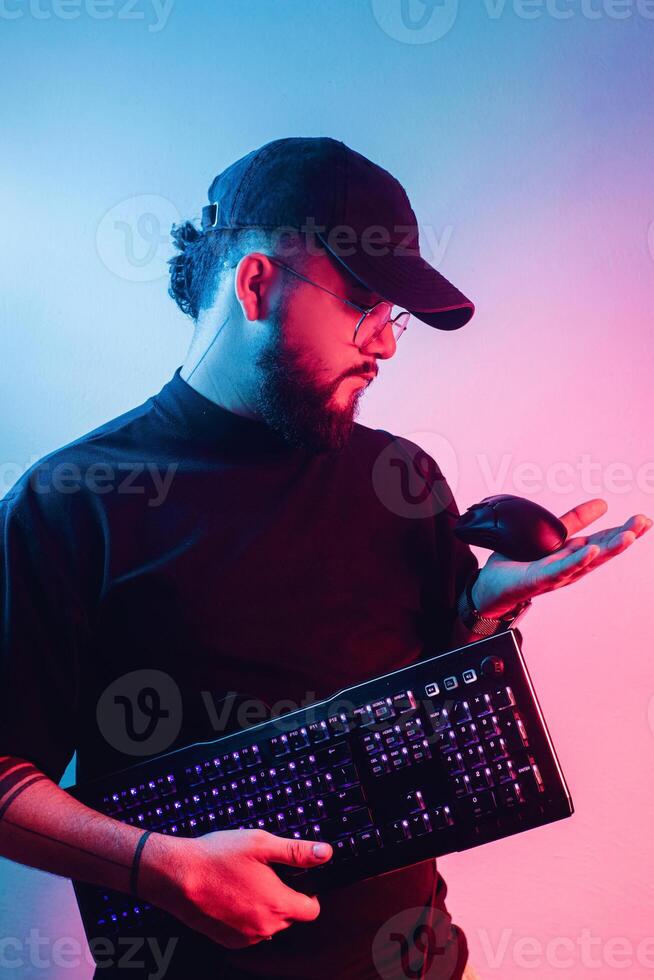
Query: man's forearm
[(44, 827)]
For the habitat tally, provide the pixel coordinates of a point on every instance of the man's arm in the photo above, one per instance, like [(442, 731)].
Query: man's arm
[(43, 826)]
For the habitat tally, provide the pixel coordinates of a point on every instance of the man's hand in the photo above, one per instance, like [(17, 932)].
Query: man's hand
[(503, 583), (223, 885)]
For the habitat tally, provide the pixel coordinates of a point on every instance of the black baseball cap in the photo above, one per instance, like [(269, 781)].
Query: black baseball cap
[(357, 210)]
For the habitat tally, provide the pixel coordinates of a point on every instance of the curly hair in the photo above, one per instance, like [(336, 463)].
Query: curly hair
[(202, 258)]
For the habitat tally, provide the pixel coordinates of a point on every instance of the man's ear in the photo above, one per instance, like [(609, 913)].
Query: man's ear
[(254, 284)]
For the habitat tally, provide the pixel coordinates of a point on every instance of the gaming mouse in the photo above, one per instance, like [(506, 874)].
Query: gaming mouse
[(516, 527)]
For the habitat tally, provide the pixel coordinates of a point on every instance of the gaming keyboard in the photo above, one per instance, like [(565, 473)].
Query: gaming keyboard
[(446, 754)]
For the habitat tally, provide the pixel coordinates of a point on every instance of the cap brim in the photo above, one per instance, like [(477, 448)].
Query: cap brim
[(407, 280)]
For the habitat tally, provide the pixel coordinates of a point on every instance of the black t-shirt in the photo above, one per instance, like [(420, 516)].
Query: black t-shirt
[(189, 549)]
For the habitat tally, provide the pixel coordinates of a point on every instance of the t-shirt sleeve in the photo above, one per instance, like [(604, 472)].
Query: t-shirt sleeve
[(43, 626)]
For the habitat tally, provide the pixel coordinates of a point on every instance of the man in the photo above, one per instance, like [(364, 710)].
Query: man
[(239, 532)]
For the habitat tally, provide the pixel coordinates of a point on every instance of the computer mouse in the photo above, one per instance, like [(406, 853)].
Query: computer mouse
[(516, 527)]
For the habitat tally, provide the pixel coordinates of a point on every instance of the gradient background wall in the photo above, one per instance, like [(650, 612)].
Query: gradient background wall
[(523, 133)]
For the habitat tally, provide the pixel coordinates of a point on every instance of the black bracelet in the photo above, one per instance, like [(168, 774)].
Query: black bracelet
[(135, 862)]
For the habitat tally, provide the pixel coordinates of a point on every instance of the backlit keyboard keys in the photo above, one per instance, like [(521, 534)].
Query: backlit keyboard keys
[(344, 776), (397, 831), (343, 849), (488, 726), (441, 818), (367, 841), (446, 740), (496, 748), (380, 765), (502, 697), (513, 731), (461, 712), (404, 701), (473, 756), (333, 754), (420, 751), (454, 763), (298, 739), (318, 732), (481, 778), (250, 755), (279, 746), (503, 770), (440, 719), (509, 794), (481, 705), (477, 805), (419, 824), (461, 785), (466, 734), (414, 802), (383, 709)]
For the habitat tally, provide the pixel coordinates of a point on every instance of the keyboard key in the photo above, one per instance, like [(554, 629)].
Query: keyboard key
[(474, 756), (446, 740), (279, 746), (333, 754), (502, 697), (481, 705), (250, 755), (419, 824), (344, 776), (496, 748), (366, 841), (441, 818), (347, 822), (454, 763), (481, 778), (404, 701), (343, 849), (392, 737), (461, 785), (461, 712), (413, 802), (509, 794), (413, 728), (420, 751), (383, 709), (363, 715), (398, 830), (380, 764), (476, 805), (318, 732), (488, 726), (466, 734), (342, 800), (513, 731), (440, 719), (298, 739), (503, 770)]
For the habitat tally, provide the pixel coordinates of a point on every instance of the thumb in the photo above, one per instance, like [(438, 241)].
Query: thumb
[(298, 853)]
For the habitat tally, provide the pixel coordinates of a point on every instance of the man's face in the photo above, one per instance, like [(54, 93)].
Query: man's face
[(311, 371)]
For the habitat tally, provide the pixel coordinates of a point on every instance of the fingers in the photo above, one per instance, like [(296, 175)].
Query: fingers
[(575, 561), (298, 853), (584, 514)]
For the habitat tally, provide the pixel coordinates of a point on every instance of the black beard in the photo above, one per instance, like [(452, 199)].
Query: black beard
[(292, 402)]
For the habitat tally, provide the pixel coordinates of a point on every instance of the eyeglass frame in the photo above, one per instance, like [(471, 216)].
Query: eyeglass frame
[(361, 309)]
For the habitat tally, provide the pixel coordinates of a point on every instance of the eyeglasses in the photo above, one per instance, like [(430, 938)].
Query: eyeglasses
[(374, 318)]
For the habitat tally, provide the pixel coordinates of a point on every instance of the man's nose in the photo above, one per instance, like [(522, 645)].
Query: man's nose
[(383, 345)]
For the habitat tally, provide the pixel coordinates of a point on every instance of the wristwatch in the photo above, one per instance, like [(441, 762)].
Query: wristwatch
[(473, 620)]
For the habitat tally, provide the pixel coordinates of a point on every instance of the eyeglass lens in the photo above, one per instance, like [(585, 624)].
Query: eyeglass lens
[(375, 321)]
